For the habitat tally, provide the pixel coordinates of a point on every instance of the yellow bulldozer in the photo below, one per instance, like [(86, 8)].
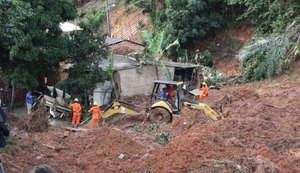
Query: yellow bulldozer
[(161, 109)]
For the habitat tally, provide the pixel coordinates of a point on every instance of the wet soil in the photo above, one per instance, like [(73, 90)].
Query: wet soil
[(260, 133)]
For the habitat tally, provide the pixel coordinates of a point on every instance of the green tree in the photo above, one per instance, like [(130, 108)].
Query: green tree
[(31, 40), (269, 16), (185, 20), (86, 51)]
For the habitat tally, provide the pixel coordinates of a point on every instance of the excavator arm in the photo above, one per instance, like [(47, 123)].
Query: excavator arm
[(207, 109), (117, 108)]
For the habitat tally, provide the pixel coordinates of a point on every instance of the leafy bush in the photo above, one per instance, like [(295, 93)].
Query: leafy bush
[(211, 77), (266, 57), (270, 16), (206, 59), (93, 17), (163, 138)]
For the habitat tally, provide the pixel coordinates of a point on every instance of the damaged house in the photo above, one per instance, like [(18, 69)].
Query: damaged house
[(131, 79)]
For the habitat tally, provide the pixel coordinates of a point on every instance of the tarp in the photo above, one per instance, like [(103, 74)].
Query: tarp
[(195, 92), (69, 27)]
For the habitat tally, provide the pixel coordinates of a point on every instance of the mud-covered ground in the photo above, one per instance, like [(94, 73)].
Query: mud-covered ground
[(260, 133)]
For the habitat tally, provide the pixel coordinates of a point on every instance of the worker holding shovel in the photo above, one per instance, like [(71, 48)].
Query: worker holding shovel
[(95, 111)]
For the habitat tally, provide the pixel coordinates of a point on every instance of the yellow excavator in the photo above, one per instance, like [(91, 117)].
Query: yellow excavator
[(161, 109)]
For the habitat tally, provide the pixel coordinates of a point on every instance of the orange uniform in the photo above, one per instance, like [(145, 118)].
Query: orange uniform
[(95, 111), (76, 108), (204, 93), (170, 90)]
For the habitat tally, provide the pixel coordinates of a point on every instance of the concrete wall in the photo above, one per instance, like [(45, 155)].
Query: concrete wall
[(102, 93), (133, 83)]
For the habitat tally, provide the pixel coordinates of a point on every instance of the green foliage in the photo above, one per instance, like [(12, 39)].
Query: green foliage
[(162, 137), (110, 75), (31, 42), (206, 59), (265, 58), (270, 16), (86, 52), (211, 77), (185, 20), (296, 50), (93, 17), (155, 50)]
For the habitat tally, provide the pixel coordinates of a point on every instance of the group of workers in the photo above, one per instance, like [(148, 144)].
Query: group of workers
[(167, 94), (76, 109)]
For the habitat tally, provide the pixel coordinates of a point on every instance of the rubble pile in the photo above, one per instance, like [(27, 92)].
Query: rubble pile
[(38, 120)]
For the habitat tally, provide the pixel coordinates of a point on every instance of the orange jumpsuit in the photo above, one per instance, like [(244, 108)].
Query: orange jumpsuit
[(76, 108), (170, 90), (204, 93), (95, 110)]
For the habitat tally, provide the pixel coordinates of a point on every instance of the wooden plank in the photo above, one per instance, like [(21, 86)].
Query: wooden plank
[(77, 129)]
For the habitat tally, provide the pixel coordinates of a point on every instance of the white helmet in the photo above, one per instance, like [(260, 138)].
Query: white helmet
[(76, 100)]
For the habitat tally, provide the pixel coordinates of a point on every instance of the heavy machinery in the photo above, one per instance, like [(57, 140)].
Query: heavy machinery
[(161, 109)]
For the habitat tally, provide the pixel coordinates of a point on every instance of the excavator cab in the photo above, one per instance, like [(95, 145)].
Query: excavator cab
[(165, 100)]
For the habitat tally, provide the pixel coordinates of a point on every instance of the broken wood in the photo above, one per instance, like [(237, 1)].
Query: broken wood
[(53, 147), (77, 129)]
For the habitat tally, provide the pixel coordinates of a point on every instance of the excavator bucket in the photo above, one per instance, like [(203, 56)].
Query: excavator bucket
[(210, 112), (206, 108), (115, 108)]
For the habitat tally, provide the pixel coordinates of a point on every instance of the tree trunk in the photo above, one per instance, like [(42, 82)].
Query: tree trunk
[(156, 71), (11, 107)]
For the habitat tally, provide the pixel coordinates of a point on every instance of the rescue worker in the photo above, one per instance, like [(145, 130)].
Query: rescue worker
[(95, 111), (163, 95), (76, 109), (170, 90), (4, 131), (204, 91)]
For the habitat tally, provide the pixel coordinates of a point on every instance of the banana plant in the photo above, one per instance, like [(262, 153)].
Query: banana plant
[(155, 51)]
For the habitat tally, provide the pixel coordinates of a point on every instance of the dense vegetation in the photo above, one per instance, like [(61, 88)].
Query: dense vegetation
[(32, 45), (192, 20)]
